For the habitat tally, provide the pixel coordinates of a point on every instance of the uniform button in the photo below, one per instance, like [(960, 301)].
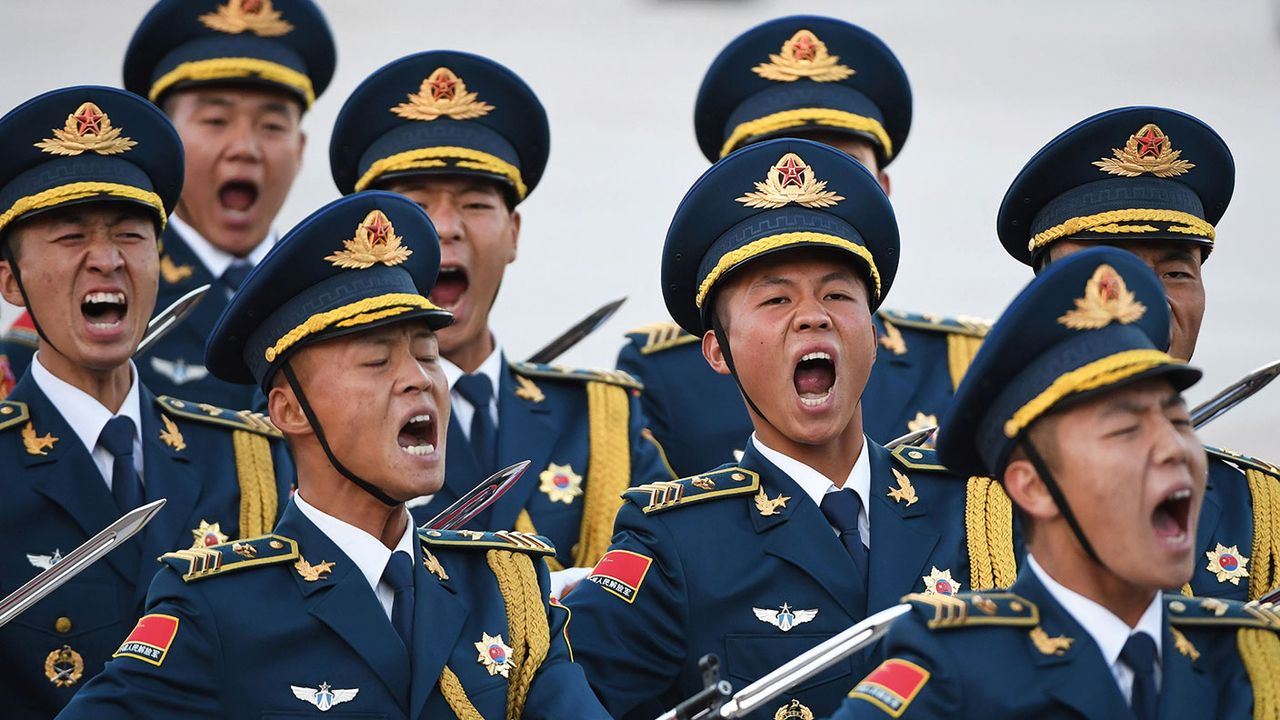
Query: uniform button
[(62, 624), (6, 410)]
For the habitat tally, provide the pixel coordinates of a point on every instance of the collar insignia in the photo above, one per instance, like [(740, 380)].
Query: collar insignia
[(1147, 151), (1050, 645), (88, 129), (1227, 563), (44, 562), (37, 444), (312, 573), (940, 582), (790, 181), (375, 242), (1106, 299), (560, 483), (64, 667), (432, 564), (528, 391), (784, 618), (495, 655), (255, 16), (793, 710), (172, 272), (208, 534), (172, 437), (905, 492), (1184, 645), (803, 56), (769, 507), (325, 696), (442, 94)]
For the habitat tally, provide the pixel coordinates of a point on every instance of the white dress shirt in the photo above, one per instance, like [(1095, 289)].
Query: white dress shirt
[(215, 259), (87, 416), (1108, 631), (365, 550), (462, 408), (816, 485)]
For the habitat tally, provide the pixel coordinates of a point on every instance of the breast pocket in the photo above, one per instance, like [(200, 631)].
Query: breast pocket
[(74, 609), (750, 657), (332, 713)]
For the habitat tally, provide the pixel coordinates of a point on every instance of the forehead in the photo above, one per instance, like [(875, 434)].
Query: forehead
[(1151, 251), (795, 266), (233, 97), (90, 213), (422, 185)]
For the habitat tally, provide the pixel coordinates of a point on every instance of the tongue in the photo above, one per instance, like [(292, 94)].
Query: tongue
[(1164, 522), (448, 290), (814, 378), (237, 197)]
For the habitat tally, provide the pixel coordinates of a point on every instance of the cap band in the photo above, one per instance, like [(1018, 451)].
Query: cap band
[(73, 192), (464, 158), (233, 68), (803, 116), (361, 312), (1109, 223), (732, 259)]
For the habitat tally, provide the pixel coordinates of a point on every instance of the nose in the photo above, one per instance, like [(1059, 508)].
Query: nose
[(810, 314), (412, 377), (243, 142), (447, 220), (104, 257), (1173, 446)]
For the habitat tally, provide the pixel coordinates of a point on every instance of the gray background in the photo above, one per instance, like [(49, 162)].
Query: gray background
[(993, 82)]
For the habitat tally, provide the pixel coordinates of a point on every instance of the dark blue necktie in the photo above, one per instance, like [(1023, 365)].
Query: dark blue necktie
[(233, 277), (842, 509), (476, 389), (117, 439), (1139, 653), (399, 575)]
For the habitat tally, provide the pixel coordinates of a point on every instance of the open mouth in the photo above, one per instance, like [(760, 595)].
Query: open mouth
[(814, 377), (418, 436), (1171, 516), (238, 195), (104, 310), (451, 283)]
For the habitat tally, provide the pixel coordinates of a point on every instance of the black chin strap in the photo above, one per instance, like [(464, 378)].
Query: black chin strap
[(722, 337), (324, 443), (1056, 492), (7, 250)]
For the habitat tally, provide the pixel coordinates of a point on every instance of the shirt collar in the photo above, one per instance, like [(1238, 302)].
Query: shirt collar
[(490, 368), (215, 259), (814, 483), (365, 550), (82, 411), (1108, 631)]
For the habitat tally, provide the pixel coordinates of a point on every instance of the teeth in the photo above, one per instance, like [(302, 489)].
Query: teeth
[(104, 326), (1180, 537), (816, 356), (1181, 494), (105, 297), (420, 418), (420, 450), (815, 401)]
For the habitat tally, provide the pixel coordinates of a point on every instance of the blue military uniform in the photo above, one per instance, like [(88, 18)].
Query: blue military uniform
[(1149, 173), (457, 113)]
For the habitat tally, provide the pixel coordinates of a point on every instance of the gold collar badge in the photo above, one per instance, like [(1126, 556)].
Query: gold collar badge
[(1227, 563), (255, 16), (88, 129), (803, 56), (375, 242), (1106, 299), (171, 435), (432, 564), (790, 180), (312, 573), (1050, 645), (560, 483), (442, 94), (1147, 151), (905, 492), (769, 507), (37, 444)]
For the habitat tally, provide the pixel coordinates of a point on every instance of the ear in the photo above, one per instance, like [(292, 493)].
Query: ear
[(302, 144), (515, 235), (9, 285), (286, 412), (883, 177), (713, 353), (1027, 490)]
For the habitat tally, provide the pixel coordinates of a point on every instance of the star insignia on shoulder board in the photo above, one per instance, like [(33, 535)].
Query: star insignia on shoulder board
[(312, 573)]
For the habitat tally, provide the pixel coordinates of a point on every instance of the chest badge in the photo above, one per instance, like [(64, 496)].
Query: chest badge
[(495, 655), (207, 534), (1227, 563), (793, 710), (64, 667), (178, 371), (784, 618), (560, 483), (44, 562), (325, 696), (940, 582)]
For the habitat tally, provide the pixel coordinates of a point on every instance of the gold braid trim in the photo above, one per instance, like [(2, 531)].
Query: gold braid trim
[(456, 696), (961, 350), (608, 468), (348, 315), (757, 247), (72, 192), (801, 116), (1260, 652), (1000, 535), (524, 524), (1117, 229), (463, 157), (1099, 373), (256, 473), (1102, 222), (527, 625), (989, 533), (981, 576), (231, 68), (1264, 573)]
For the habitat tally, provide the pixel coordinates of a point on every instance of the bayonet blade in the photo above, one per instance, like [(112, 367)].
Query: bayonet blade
[(169, 318), (575, 334), (1234, 394), (462, 510)]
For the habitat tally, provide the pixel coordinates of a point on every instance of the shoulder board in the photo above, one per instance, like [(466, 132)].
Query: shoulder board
[(659, 336), (214, 415), (1194, 611), (13, 413), (1236, 458), (970, 609), (959, 325), (475, 539), (914, 457), (201, 563), (664, 495), (560, 372)]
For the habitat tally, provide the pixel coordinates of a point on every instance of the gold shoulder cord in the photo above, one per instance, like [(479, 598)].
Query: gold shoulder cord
[(456, 696), (989, 532), (1260, 651), (1265, 569), (256, 473), (961, 349), (608, 469), (526, 622)]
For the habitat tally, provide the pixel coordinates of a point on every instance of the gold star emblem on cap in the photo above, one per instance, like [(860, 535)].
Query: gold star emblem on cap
[(88, 129), (790, 180), (803, 56), (1147, 151), (1106, 299), (442, 94), (375, 242), (254, 16)]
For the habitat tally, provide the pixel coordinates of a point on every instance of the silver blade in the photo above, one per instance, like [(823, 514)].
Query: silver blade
[(169, 318), (77, 560), (575, 334), (1234, 394), (915, 437), (462, 510)]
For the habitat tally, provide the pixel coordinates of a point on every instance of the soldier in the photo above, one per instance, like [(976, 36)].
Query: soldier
[(1078, 411), (1154, 182), (87, 182), (235, 77), (467, 140), (346, 602), (825, 80), (778, 258)]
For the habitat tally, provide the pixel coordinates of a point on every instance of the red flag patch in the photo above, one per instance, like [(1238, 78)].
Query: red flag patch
[(892, 686), (150, 639), (621, 572)]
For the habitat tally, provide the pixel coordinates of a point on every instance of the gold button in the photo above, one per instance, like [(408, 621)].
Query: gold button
[(738, 476), (1015, 606), (6, 410), (62, 624), (914, 455), (1177, 606), (276, 544)]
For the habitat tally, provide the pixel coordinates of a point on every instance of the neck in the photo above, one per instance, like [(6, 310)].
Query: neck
[(1066, 562), (334, 495), (833, 458), (470, 357), (109, 387)]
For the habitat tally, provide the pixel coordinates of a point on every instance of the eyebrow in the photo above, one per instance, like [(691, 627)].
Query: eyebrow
[(1178, 254)]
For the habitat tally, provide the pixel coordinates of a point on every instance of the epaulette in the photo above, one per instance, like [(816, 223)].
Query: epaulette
[(22, 331), (235, 419), (659, 336), (560, 372), (664, 495), (959, 325), (477, 540), (205, 562), (969, 609), (914, 457), (1236, 458), (1194, 611), (13, 413)]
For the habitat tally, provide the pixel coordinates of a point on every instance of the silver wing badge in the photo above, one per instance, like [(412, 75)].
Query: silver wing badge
[(44, 562), (325, 697), (785, 618), (179, 371)]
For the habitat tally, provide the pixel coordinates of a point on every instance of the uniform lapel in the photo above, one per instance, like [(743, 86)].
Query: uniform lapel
[(527, 430), (902, 538), (1184, 687), (167, 473), (439, 616)]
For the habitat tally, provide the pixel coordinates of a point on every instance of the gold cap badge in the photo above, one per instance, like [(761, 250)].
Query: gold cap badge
[(375, 242), (1147, 151), (445, 94), (790, 181), (255, 16), (803, 56), (88, 129), (1106, 299)]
